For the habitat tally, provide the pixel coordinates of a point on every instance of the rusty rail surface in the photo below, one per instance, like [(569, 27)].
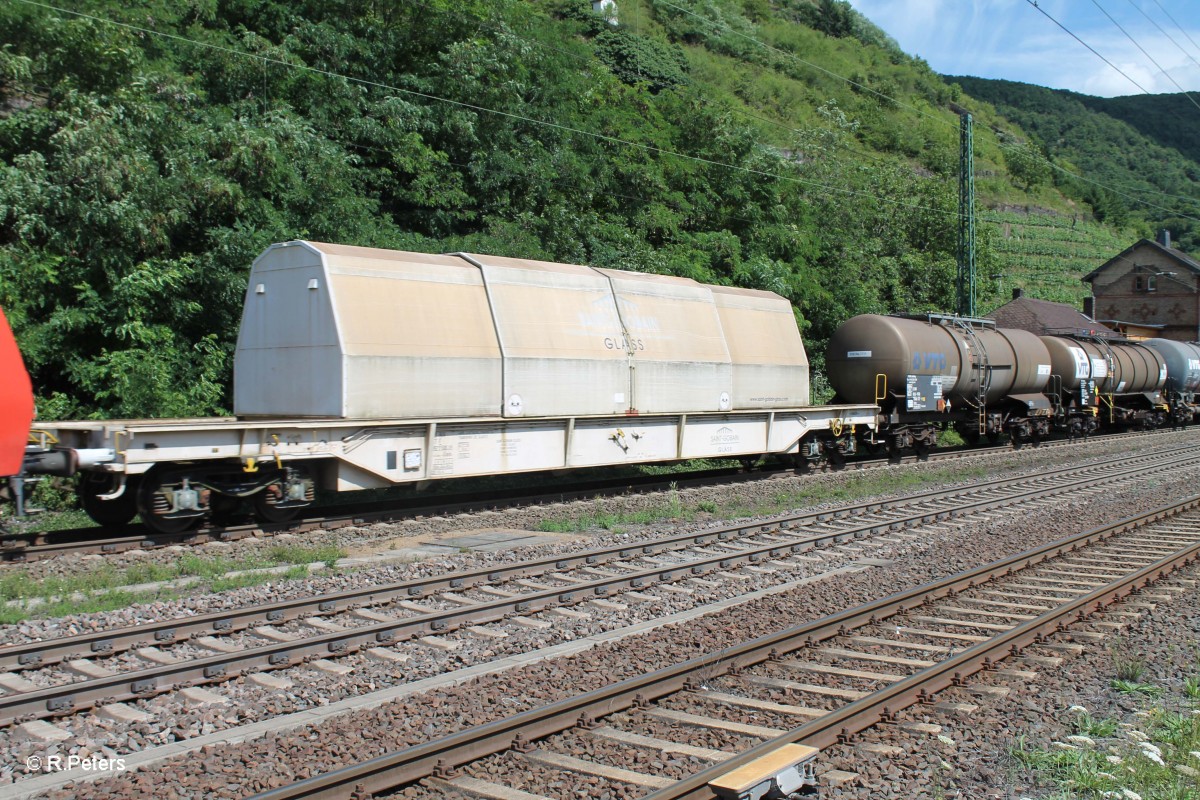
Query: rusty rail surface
[(41, 545), (167, 632)]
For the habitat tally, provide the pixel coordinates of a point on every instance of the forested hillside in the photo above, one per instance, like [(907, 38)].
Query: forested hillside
[(150, 150), (1166, 119), (1145, 145)]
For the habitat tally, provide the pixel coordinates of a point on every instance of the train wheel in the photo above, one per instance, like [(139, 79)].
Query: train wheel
[(107, 513), (154, 499), (266, 502), (922, 450), (266, 508)]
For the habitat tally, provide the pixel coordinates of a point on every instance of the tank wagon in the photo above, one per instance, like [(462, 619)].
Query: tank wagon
[(934, 372), (1182, 360), (931, 372), (361, 368), (1098, 382)]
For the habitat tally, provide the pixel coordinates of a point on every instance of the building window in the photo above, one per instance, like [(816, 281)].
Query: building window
[(1145, 283)]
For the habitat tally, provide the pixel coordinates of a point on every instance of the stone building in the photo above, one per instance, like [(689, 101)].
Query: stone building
[(1150, 284)]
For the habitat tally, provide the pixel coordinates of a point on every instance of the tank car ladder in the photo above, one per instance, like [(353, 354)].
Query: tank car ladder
[(1111, 358), (981, 364)]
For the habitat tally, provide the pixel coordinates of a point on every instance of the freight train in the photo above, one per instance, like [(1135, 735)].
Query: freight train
[(932, 373), (364, 368)]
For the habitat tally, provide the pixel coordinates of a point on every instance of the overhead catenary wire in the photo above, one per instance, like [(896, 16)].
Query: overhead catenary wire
[(1163, 32), (565, 128), (266, 59), (1000, 141), (1093, 50), (724, 27), (1177, 25), (1138, 45)]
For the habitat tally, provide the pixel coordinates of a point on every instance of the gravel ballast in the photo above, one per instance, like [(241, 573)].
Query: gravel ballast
[(282, 757)]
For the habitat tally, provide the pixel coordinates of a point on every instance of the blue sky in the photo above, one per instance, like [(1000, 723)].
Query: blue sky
[(1010, 39)]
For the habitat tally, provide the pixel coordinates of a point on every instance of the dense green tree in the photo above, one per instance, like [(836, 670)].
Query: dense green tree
[(141, 174), (1138, 153)]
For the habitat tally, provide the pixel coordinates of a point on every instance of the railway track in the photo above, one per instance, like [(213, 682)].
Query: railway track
[(35, 546), (813, 685), (51, 544), (65, 676)]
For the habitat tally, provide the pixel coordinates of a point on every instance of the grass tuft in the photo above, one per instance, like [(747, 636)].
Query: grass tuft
[(856, 486), (1127, 666), (1132, 687), (106, 588), (1087, 725)]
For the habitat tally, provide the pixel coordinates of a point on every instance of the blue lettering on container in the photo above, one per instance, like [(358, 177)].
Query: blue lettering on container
[(929, 362)]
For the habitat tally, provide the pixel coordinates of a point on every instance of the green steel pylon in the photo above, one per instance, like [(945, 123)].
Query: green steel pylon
[(966, 219)]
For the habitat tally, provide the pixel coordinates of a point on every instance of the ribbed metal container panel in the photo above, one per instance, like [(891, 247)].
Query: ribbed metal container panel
[(770, 366), (560, 338), (365, 333), (679, 356), (351, 332)]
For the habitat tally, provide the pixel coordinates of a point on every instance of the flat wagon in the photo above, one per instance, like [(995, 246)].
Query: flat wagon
[(363, 368)]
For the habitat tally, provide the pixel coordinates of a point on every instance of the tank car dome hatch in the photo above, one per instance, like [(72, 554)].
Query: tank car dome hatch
[(352, 332)]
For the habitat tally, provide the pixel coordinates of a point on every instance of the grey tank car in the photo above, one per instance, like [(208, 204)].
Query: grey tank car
[(1182, 386)]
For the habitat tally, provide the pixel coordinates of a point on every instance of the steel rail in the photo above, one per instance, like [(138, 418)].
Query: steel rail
[(12, 549), (883, 705), (136, 684), (441, 756), (38, 547), (109, 642)]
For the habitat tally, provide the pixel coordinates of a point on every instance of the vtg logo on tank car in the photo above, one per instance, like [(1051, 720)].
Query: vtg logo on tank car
[(929, 361)]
